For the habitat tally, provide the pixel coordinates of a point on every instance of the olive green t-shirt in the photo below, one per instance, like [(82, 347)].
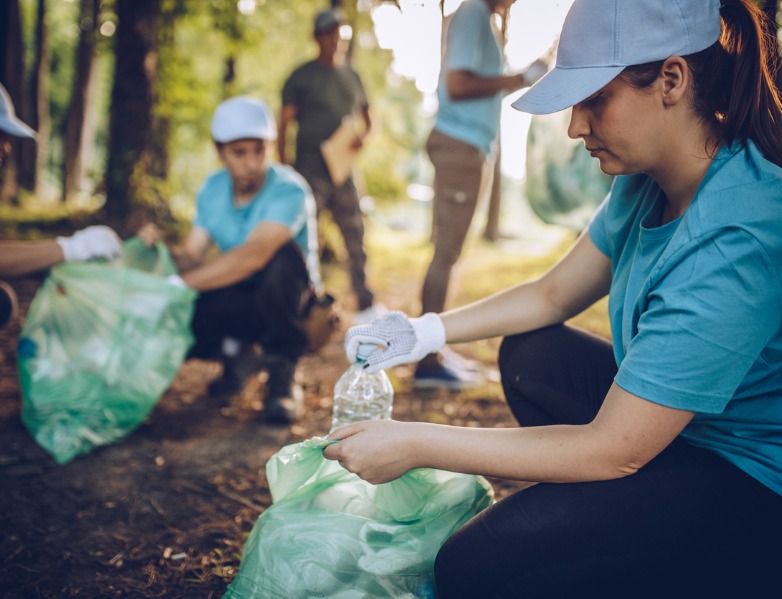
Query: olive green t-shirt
[(322, 96)]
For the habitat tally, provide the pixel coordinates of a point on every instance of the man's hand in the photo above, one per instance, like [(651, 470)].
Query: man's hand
[(97, 241), (534, 72)]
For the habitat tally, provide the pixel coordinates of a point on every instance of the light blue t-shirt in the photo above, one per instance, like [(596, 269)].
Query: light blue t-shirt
[(284, 198), (696, 304), (471, 46)]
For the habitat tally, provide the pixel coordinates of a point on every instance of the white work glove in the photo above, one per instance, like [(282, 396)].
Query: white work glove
[(176, 280), (97, 241), (403, 339), (535, 71)]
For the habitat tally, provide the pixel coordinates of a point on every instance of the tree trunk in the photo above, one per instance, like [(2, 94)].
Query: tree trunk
[(12, 77), (36, 111), (78, 142), (130, 120)]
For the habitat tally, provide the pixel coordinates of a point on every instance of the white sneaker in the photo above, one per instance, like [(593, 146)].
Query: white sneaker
[(456, 361), (367, 315)]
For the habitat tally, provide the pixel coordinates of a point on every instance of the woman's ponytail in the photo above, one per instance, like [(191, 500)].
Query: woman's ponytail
[(753, 108)]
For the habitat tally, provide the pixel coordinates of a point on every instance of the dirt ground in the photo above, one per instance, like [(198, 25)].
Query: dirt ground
[(165, 511)]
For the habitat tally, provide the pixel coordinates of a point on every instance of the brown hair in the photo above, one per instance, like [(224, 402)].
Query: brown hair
[(733, 79)]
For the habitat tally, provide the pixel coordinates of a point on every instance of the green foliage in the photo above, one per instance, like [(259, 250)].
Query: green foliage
[(208, 51), (216, 52)]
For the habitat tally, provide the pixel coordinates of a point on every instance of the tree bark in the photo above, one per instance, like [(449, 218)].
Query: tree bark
[(78, 141), (36, 112), (12, 77), (132, 101)]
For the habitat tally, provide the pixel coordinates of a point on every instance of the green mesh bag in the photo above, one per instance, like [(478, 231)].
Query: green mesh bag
[(331, 535), (100, 344)]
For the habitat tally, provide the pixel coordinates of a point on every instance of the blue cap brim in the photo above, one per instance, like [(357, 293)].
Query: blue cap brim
[(562, 88), (16, 128)]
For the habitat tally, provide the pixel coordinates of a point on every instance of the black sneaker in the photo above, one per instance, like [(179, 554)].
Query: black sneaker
[(236, 371), (284, 402)]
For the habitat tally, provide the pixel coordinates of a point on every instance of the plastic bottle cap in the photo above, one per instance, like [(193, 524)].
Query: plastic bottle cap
[(365, 350)]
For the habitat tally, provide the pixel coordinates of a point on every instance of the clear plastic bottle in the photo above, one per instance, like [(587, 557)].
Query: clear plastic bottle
[(359, 395)]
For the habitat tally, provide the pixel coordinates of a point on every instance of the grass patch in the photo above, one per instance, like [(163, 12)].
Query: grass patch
[(398, 260)]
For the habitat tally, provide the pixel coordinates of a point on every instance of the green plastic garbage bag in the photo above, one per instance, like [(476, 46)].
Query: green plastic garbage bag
[(329, 534), (564, 183), (100, 344)]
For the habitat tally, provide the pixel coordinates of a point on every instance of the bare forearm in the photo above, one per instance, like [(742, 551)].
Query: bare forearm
[(182, 259), (541, 454), (516, 310), (21, 257), (464, 85), (225, 269), (581, 278), (627, 432)]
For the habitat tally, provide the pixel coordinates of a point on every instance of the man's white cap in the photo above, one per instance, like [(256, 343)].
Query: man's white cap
[(9, 123), (601, 37), (243, 117)]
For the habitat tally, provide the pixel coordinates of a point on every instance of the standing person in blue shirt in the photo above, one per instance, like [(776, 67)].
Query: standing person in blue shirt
[(658, 457), (261, 218), (470, 89), (318, 95)]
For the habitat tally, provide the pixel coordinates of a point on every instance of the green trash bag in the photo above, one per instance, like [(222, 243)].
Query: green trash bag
[(329, 534), (100, 344), (564, 184)]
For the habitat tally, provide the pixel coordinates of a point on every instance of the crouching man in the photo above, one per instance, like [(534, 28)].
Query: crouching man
[(260, 217)]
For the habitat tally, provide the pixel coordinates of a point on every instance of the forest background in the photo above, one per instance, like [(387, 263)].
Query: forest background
[(122, 93)]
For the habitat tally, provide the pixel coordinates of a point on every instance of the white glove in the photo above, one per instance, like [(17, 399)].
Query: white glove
[(535, 71), (176, 280), (98, 241), (404, 339)]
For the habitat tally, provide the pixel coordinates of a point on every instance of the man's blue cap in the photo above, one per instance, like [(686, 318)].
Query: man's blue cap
[(326, 21), (601, 37)]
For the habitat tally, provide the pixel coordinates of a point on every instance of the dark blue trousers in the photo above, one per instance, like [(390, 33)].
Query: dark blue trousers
[(688, 524), (265, 308)]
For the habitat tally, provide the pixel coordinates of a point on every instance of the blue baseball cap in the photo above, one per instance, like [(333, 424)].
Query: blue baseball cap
[(601, 37), (9, 122), (326, 21), (243, 117)]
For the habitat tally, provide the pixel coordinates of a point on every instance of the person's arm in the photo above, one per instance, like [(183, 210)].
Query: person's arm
[(191, 252), (627, 432), (466, 85), (239, 263), (23, 257), (578, 280), (186, 255), (287, 114)]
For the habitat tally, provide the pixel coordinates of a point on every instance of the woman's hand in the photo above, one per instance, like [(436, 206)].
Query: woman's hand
[(376, 450)]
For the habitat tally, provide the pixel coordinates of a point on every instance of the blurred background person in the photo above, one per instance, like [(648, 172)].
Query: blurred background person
[(326, 97)]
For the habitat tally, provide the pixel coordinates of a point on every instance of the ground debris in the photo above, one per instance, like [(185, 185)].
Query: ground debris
[(165, 512)]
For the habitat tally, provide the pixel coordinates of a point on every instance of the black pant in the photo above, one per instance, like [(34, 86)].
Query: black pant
[(688, 524), (265, 308)]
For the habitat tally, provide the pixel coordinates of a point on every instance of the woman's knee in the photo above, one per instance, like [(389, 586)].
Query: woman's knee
[(521, 354)]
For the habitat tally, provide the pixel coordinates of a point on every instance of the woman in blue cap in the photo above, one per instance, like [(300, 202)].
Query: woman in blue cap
[(659, 456)]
